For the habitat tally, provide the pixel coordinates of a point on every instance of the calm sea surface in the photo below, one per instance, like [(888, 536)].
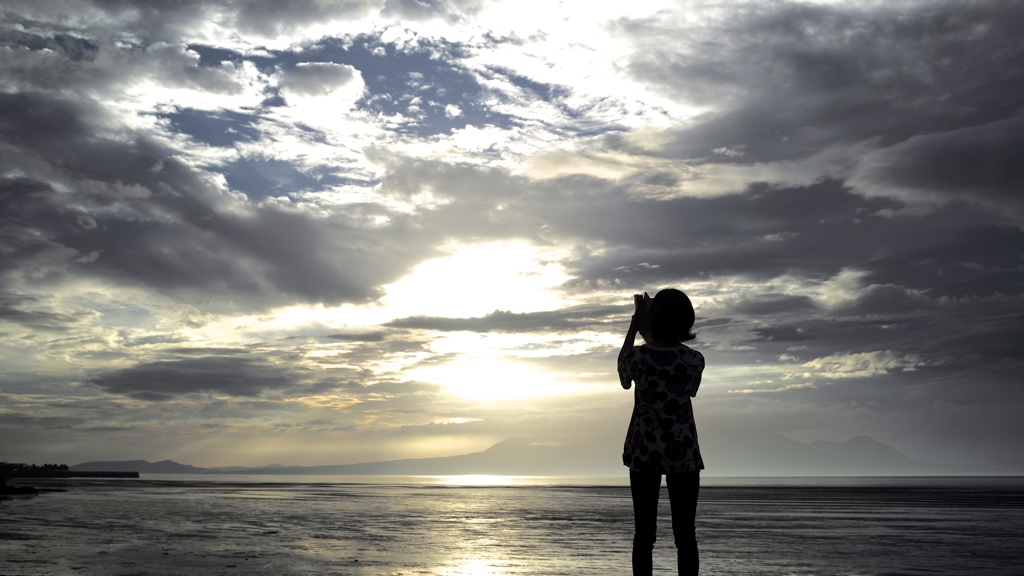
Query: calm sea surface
[(288, 525)]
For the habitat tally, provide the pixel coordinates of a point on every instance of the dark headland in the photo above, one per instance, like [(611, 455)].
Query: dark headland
[(12, 470)]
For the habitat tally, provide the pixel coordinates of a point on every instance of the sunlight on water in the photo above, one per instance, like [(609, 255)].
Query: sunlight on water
[(505, 525), (481, 480), (471, 567)]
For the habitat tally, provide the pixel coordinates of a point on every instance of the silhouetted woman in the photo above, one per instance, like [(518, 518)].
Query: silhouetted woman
[(662, 437)]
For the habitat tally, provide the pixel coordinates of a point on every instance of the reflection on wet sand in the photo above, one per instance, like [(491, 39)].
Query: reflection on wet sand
[(165, 528)]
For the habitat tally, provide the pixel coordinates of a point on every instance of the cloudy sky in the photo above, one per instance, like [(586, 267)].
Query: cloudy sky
[(325, 232)]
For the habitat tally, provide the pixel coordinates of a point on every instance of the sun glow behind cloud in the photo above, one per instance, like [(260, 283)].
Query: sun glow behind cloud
[(472, 280), (476, 279), (492, 379)]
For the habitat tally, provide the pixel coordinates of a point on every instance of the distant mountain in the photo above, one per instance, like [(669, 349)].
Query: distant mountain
[(231, 469), (511, 457), (749, 455), (140, 466), (761, 455), (774, 455)]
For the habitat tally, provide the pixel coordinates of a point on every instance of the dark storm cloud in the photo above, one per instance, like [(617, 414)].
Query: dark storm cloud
[(40, 121), (761, 305), (782, 334), (812, 232), (68, 44), (163, 21), (227, 375), (795, 78), (452, 10), (22, 421), (978, 164), (136, 213), (169, 21), (121, 66), (262, 377), (271, 18), (973, 332), (24, 310)]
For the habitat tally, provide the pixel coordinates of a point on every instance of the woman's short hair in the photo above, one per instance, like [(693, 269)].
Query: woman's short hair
[(672, 316)]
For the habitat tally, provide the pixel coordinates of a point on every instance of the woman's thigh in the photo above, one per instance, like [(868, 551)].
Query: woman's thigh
[(683, 490), (645, 488)]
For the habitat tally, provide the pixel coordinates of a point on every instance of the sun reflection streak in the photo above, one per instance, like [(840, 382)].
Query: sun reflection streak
[(472, 567), (478, 480)]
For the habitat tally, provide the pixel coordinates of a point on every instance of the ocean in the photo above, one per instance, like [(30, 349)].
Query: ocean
[(489, 526)]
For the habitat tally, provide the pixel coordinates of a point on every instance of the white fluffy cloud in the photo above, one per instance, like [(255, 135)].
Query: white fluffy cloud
[(861, 365), (312, 79)]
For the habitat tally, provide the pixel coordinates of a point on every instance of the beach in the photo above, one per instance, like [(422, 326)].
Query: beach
[(429, 526)]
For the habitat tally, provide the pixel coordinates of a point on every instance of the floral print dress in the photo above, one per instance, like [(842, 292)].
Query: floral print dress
[(662, 435)]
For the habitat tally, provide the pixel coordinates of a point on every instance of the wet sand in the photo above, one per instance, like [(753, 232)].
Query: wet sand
[(163, 527)]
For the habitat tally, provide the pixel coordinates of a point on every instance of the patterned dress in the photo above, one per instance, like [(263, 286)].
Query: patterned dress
[(662, 436)]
